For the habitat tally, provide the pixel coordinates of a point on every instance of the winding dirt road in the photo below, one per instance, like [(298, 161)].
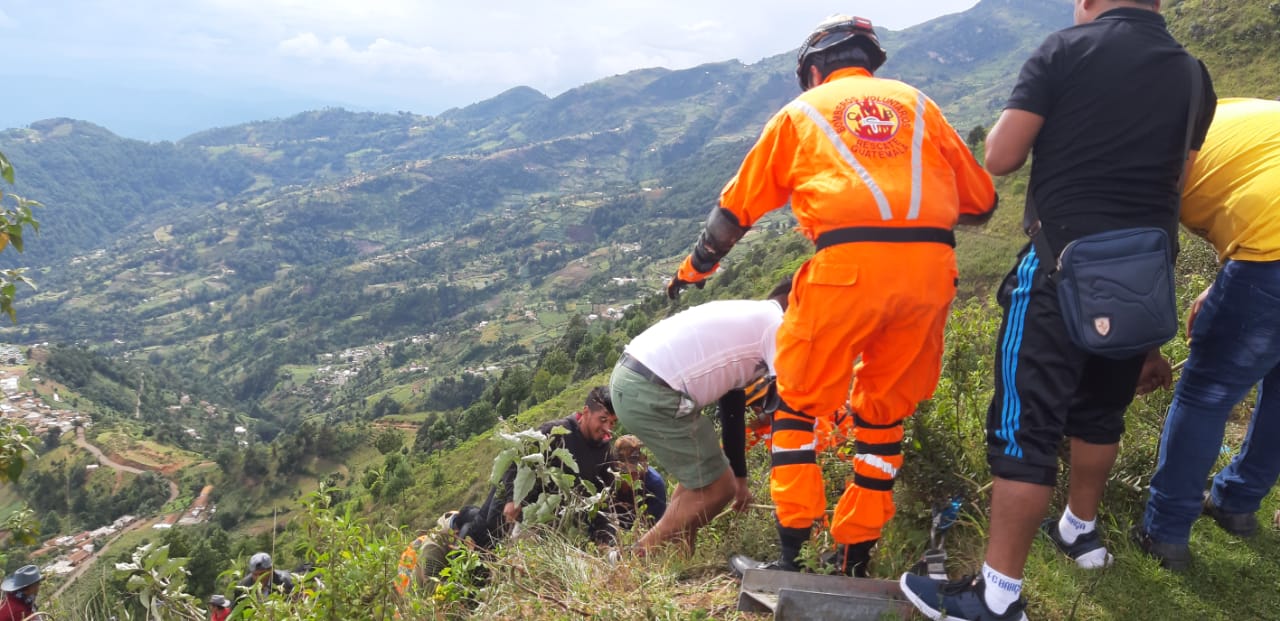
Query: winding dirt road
[(118, 467)]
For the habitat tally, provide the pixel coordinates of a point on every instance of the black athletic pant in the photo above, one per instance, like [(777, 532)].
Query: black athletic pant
[(1045, 386)]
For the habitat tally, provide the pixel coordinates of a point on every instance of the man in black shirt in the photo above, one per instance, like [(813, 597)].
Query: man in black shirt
[(1104, 108), (590, 431)]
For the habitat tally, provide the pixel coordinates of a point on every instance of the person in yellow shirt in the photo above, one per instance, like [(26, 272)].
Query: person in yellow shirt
[(1232, 199), (878, 180)]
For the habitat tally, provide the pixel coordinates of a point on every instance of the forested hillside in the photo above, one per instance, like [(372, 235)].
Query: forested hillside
[(331, 318)]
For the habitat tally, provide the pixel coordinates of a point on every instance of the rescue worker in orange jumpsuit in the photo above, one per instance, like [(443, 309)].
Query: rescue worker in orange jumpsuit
[(878, 180)]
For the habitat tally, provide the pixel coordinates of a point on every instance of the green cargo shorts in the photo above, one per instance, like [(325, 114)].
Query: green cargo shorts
[(684, 443)]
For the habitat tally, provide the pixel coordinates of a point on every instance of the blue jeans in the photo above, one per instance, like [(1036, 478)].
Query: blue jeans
[(1235, 343)]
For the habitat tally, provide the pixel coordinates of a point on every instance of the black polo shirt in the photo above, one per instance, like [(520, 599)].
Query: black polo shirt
[(1114, 94)]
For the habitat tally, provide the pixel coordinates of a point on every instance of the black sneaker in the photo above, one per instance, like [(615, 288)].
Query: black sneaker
[(1172, 556), (960, 600), (1238, 524), (1087, 550)]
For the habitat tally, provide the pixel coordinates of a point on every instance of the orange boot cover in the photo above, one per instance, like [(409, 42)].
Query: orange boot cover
[(795, 481), (867, 504)]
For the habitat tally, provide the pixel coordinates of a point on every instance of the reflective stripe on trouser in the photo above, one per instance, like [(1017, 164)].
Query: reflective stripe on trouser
[(846, 301), (867, 503), (795, 480)]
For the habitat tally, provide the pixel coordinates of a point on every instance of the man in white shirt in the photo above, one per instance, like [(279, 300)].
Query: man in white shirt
[(664, 379)]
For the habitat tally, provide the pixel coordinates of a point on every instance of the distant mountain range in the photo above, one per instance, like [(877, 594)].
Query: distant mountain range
[(99, 186)]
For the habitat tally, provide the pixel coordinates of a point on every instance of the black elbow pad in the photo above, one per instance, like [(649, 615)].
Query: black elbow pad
[(719, 235), (981, 219)]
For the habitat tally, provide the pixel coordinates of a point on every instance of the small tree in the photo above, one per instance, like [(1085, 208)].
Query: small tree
[(15, 216), (158, 582), (389, 440), (976, 136), (552, 469)]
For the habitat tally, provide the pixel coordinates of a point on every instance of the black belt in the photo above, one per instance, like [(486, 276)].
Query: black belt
[(853, 234), (635, 365)]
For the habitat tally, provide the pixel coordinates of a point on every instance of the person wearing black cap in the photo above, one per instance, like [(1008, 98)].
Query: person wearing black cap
[(20, 589)]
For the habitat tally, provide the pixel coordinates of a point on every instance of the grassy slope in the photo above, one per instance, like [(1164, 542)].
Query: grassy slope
[(1239, 40)]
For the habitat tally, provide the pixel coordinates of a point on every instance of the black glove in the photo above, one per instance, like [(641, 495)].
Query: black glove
[(676, 286)]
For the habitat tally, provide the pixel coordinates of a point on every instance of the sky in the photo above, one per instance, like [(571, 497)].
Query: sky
[(162, 69)]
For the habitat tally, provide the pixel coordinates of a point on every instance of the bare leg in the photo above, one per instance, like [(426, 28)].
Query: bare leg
[(689, 510), (1090, 466), (1017, 509)]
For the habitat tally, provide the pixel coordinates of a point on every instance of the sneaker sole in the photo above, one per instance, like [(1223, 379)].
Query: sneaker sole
[(1105, 564), (1057, 545), (929, 611)]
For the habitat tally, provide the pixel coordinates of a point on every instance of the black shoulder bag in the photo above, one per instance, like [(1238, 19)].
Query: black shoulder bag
[(1116, 288)]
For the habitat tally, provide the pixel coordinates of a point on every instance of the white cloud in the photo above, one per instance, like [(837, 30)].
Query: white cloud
[(386, 57), (420, 55)]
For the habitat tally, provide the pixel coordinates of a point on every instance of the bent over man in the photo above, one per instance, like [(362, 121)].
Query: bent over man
[(877, 179), (668, 374), (1232, 198)]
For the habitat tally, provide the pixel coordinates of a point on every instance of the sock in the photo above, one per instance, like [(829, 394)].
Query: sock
[(1001, 591), (1071, 527)]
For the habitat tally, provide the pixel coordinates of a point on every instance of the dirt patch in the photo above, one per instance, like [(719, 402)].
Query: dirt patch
[(158, 466), (575, 272), (401, 425)]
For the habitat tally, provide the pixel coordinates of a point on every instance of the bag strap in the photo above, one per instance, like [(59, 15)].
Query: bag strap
[(1193, 113), (1031, 218)]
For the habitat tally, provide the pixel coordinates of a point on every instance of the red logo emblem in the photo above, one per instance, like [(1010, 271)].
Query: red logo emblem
[(875, 122)]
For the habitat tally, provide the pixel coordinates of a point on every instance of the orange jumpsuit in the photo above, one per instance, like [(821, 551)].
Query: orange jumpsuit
[(877, 156), (408, 565)]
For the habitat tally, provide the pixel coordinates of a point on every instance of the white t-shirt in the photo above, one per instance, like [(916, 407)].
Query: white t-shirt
[(712, 348)]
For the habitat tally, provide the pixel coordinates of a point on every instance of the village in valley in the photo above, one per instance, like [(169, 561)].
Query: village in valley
[(32, 410), (28, 408)]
